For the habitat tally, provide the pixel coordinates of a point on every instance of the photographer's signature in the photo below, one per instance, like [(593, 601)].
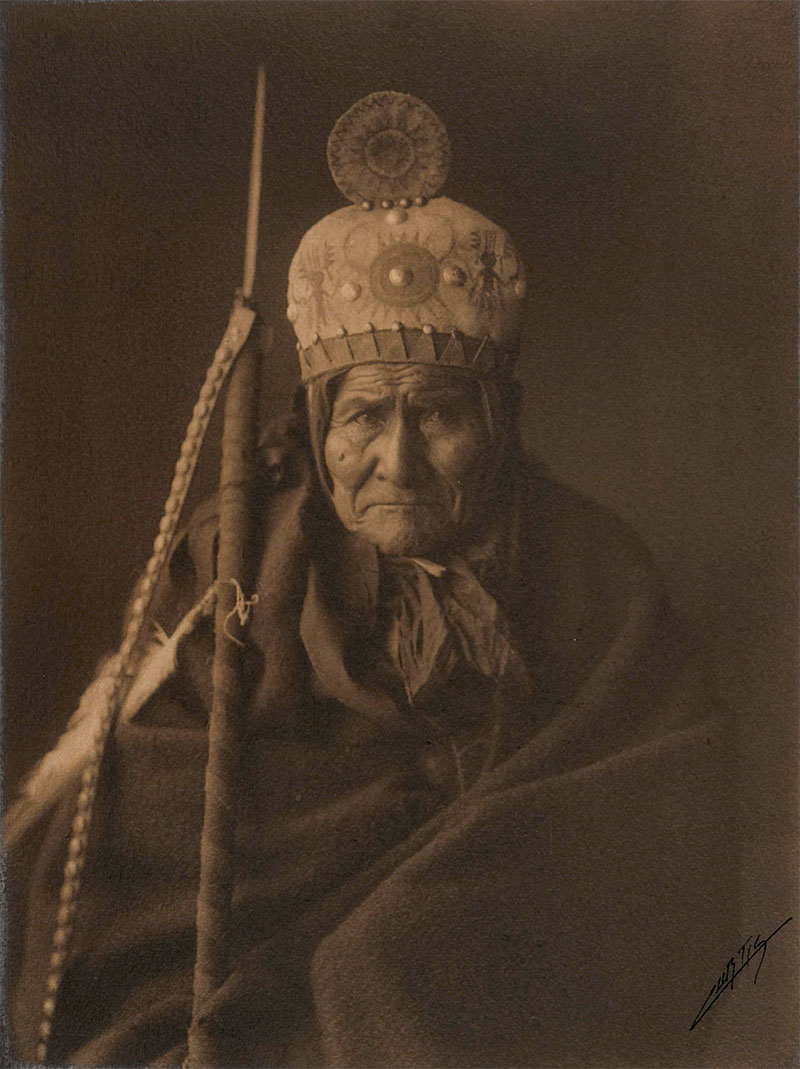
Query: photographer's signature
[(747, 951)]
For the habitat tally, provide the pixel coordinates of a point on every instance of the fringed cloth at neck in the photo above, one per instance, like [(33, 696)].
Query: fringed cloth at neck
[(438, 616)]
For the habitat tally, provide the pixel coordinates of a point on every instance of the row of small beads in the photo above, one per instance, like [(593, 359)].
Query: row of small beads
[(403, 202)]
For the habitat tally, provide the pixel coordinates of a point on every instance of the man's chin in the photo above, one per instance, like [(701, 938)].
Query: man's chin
[(405, 533)]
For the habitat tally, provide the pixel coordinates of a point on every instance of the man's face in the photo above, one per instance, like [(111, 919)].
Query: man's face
[(406, 449)]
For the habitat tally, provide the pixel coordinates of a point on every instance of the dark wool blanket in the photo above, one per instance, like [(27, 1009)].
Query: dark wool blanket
[(499, 875)]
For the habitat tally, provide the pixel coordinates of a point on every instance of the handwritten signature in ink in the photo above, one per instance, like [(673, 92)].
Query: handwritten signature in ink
[(747, 951)]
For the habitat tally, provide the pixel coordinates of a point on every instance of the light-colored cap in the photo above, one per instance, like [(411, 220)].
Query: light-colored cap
[(400, 277)]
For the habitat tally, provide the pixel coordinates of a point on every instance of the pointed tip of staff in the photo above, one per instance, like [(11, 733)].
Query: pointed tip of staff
[(261, 83), (255, 186)]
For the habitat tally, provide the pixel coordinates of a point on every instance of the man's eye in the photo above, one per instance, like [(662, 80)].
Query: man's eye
[(439, 417), (366, 419)]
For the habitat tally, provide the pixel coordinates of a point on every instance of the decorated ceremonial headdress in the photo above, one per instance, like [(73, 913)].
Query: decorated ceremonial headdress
[(402, 274)]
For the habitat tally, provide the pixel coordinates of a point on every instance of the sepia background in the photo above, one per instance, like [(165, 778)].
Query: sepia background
[(643, 155)]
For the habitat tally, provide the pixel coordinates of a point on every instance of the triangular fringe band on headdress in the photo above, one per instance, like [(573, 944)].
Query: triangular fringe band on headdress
[(403, 345)]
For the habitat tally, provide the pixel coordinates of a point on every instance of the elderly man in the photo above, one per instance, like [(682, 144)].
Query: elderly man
[(477, 819)]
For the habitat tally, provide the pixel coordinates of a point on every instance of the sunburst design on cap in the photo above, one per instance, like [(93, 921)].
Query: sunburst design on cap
[(388, 146)]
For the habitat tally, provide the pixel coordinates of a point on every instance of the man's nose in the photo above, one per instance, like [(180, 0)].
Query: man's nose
[(396, 452)]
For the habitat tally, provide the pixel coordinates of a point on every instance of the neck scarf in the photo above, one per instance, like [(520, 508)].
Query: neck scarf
[(438, 616)]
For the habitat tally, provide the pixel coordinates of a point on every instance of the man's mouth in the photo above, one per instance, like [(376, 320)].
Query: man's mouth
[(399, 508), (418, 504)]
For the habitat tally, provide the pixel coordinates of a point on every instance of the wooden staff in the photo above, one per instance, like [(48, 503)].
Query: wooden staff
[(217, 848)]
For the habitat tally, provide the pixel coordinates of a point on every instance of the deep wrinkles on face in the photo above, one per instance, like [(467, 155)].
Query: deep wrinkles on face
[(404, 451)]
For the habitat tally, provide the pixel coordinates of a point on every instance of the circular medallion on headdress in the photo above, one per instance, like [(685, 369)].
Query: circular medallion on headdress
[(388, 146), (403, 275)]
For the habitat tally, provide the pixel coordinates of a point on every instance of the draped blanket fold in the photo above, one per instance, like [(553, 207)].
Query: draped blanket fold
[(480, 815)]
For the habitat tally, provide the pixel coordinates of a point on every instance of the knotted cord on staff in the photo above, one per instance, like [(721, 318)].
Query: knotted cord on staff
[(217, 847)]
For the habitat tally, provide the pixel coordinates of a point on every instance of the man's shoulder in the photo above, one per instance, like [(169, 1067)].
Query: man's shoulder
[(567, 528), (582, 578)]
